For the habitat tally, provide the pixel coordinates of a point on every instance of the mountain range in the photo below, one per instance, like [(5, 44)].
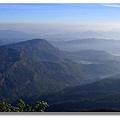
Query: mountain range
[(35, 69), (109, 45), (12, 36)]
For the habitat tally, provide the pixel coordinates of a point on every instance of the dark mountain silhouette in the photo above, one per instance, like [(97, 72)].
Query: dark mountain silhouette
[(101, 96)]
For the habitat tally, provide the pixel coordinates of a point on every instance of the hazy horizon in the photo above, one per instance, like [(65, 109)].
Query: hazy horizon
[(62, 19)]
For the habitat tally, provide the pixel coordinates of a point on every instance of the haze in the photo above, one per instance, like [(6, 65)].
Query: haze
[(65, 20)]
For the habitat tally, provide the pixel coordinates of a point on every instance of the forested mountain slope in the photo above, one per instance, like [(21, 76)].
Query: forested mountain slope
[(103, 95), (34, 67)]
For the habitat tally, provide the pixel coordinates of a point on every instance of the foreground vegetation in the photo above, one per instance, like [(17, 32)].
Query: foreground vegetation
[(21, 106)]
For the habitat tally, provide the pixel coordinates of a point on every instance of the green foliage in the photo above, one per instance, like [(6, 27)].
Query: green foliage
[(6, 107), (38, 106)]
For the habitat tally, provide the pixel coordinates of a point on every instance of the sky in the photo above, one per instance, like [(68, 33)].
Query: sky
[(65, 16), (59, 13)]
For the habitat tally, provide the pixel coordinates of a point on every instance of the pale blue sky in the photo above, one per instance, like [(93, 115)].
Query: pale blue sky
[(59, 13), (56, 17)]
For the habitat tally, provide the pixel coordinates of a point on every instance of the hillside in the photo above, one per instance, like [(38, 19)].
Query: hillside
[(91, 56), (98, 64), (86, 65), (35, 67), (99, 96)]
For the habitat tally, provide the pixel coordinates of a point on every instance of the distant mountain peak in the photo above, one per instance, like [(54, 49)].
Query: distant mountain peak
[(91, 34)]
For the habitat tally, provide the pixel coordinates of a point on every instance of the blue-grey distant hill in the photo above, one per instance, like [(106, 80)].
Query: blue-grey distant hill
[(111, 46), (11, 36)]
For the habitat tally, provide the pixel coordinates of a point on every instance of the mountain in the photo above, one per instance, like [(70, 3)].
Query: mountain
[(97, 64), (35, 67), (74, 35), (91, 34), (11, 36), (94, 56), (111, 46), (71, 35), (102, 96)]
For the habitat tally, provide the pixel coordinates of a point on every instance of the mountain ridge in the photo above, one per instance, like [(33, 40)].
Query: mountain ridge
[(35, 67), (109, 45)]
